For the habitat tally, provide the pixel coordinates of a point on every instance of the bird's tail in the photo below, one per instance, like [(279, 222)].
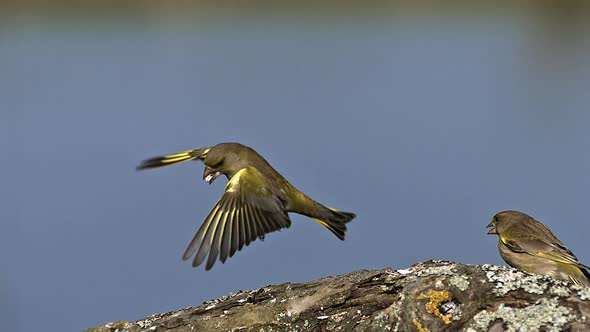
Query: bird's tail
[(173, 158), (335, 221)]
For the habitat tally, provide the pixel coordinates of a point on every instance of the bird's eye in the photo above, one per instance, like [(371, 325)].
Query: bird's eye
[(495, 218), (217, 164)]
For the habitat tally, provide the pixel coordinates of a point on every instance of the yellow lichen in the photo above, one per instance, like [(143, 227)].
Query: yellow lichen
[(419, 326), (436, 298)]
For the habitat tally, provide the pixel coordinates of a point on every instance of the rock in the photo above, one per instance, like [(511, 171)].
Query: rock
[(430, 296)]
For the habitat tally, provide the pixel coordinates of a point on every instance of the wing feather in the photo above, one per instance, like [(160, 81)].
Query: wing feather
[(235, 236), (216, 243), (247, 223), (262, 221), (207, 244), (227, 231), (253, 223), (197, 240)]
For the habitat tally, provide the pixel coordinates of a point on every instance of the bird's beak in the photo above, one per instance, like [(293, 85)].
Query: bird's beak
[(492, 228), (210, 174)]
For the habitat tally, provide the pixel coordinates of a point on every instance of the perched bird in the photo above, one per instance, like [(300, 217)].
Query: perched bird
[(256, 202), (529, 245)]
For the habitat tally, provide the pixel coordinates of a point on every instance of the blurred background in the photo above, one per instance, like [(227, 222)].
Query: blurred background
[(423, 119)]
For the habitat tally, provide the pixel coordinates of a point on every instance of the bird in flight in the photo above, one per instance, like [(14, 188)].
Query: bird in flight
[(256, 202)]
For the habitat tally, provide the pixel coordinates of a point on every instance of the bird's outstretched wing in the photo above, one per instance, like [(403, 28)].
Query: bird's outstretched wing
[(247, 210)]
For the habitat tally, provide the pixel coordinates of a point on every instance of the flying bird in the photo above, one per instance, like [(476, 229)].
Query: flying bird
[(529, 245), (256, 202)]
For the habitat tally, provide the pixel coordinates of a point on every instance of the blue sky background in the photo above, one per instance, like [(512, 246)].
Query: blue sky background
[(424, 122)]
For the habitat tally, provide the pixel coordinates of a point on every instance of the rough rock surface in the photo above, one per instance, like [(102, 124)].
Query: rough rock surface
[(430, 296)]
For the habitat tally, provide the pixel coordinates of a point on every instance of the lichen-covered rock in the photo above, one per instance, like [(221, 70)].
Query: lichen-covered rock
[(430, 296)]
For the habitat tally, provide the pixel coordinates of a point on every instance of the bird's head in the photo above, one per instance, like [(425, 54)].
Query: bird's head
[(503, 220), (222, 159)]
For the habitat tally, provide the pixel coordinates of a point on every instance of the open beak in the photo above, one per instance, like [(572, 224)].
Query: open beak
[(210, 174), (492, 228)]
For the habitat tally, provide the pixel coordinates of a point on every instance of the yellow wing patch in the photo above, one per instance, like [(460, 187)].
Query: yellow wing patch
[(504, 241), (234, 182)]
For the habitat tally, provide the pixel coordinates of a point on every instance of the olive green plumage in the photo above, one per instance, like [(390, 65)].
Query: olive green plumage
[(256, 202), (529, 245)]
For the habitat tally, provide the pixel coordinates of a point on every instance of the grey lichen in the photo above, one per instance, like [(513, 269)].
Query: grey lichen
[(583, 292), (507, 279), (460, 281), (149, 321), (545, 313), (394, 311), (560, 290), (442, 268)]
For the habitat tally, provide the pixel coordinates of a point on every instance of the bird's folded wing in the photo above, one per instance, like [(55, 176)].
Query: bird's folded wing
[(537, 247), (247, 210)]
